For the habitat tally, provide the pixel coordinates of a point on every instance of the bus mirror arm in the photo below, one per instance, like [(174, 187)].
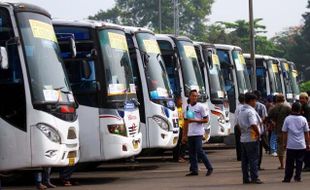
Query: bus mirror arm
[(4, 58)]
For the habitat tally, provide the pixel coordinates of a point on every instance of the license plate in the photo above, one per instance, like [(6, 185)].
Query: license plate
[(175, 140), (71, 161), (135, 145)]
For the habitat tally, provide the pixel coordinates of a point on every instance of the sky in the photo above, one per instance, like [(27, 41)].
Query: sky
[(278, 15)]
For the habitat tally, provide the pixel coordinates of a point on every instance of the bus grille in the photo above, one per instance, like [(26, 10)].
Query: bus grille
[(71, 134)]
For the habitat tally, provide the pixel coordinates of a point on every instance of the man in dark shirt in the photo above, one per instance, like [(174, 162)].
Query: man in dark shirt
[(305, 111), (277, 115)]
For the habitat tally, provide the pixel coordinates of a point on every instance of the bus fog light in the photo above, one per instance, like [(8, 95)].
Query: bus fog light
[(49, 132), (162, 123)]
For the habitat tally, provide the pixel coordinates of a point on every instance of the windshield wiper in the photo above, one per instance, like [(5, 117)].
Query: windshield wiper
[(61, 90)]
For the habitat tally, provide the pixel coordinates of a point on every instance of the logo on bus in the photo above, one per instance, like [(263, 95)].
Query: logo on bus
[(132, 117)]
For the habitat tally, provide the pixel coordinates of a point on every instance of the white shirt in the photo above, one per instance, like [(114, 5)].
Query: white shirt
[(237, 111), (200, 111), (295, 126), (246, 118)]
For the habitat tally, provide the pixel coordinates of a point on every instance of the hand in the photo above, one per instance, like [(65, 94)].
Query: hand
[(284, 146), (184, 140), (308, 148)]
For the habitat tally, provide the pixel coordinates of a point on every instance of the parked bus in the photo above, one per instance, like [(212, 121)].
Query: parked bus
[(214, 82), (294, 78), (287, 80), (268, 74), (183, 69), (38, 121), (102, 81), (235, 74), (159, 117)]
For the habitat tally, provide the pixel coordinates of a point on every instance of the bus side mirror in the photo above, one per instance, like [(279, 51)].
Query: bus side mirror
[(210, 59), (72, 47), (4, 58)]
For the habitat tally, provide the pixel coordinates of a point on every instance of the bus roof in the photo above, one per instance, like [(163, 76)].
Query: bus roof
[(171, 36), (204, 44), (227, 47), (258, 56), (132, 29), (26, 7), (86, 23)]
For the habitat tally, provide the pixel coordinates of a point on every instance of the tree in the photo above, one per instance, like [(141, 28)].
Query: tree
[(193, 15), (237, 33), (295, 45)]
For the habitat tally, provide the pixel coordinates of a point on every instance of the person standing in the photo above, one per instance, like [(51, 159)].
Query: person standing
[(196, 116), (179, 150), (241, 100), (305, 111), (249, 122), (42, 179), (262, 112), (296, 140), (277, 115)]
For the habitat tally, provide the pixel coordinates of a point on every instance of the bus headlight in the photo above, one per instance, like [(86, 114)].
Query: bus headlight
[(118, 129), (49, 132), (161, 122), (222, 119)]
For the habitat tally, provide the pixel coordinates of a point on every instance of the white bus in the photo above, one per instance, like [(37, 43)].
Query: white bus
[(268, 74), (159, 117), (290, 75), (286, 81), (214, 81), (183, 69), (101, 78), (38, 121), (235, 74)]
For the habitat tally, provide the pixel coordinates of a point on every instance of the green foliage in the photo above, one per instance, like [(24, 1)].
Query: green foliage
[(305, 87), (193, 15), (295, 45), (237, 33)]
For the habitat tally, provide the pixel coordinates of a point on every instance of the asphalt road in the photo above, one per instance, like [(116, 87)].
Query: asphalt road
[(159, 173)]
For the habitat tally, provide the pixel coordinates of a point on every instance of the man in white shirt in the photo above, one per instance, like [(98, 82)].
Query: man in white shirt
[(249, 122), (196, 115), (241, 99)]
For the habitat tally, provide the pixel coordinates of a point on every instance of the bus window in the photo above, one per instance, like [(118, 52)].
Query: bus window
[(12, 96), (82, 77), (227, 70)]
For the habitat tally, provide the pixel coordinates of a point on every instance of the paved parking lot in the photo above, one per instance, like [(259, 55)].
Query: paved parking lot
[(159, 173)]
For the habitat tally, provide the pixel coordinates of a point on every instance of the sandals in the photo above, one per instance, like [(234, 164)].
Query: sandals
[(66, 183)]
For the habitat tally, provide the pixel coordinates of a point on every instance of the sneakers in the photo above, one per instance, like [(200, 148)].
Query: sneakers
[(274, 154), (50, 185), (257, 181), (40, 186)]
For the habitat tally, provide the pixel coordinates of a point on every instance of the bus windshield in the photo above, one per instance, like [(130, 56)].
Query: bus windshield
[(192, 76), (287, 78), (293, 76), (243, 78), (118, 71), (275, 78), (156, 74), (46, 70), (216, 79)]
